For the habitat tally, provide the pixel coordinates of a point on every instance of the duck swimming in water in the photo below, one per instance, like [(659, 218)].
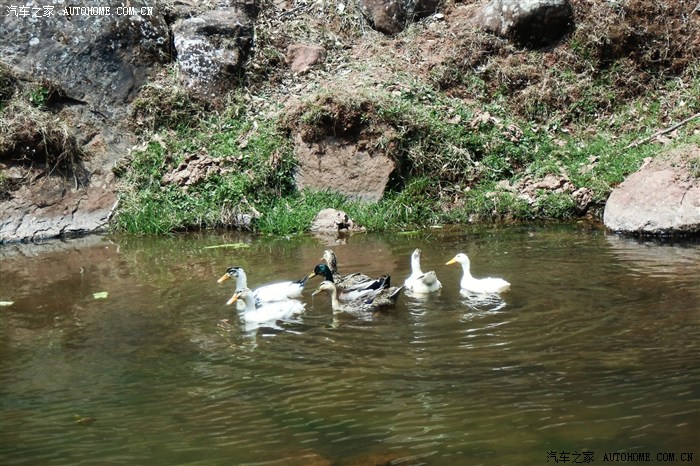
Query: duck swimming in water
[(356, 289), (266, 313), (477, 285), (268, 293), (419, 281), (381, 300)]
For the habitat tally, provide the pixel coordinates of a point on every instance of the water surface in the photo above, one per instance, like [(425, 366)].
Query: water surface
[(596, 348)]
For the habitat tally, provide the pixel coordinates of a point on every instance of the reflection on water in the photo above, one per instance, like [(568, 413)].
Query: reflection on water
[(595, 348)]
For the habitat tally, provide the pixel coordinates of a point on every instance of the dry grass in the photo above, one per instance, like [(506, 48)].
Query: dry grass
[(33, 137)]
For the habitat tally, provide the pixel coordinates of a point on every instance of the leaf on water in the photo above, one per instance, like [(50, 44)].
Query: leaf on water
[(6, 303), (84, 420), (229, 245), (410, 233), (100, 295)]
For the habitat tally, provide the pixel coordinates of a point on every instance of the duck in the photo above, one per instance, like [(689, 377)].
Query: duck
[(268, 293), (381, 300), (356, 290), (343, 281), (477, 285), (266, 312), (419, 281)]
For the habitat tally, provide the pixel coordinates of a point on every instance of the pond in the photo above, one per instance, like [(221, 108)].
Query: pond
[(121, 350)]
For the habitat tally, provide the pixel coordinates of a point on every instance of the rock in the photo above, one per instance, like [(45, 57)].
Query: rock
[(391, 16), (193, 170), (529, 22), (99, 61), (52, 208), (662, 198), (341, 166), (340, 149), (334, 221), (241, 216), (91, 66), (551, 182), (387, 16), (301, 57), (583, 197), (212, 49)]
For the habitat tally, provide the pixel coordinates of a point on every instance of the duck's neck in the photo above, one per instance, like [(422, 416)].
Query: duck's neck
[(249, 301), (466, 270), (335, 302), (241, 280), (333, 264), (415, 266), (328, 275)]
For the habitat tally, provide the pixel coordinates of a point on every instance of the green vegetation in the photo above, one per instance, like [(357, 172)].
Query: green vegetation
[(473, 132), (451, 174), (245, 165)]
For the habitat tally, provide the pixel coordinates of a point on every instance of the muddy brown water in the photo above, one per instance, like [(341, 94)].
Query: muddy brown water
[(595, 349)]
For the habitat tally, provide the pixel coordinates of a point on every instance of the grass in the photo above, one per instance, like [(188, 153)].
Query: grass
[(247, 164), (452, 155), (484, 114)]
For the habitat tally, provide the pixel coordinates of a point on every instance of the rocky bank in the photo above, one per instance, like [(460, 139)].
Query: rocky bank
[(83, 71)]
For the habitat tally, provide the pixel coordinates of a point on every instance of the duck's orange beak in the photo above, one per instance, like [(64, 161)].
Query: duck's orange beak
[(233, 299)]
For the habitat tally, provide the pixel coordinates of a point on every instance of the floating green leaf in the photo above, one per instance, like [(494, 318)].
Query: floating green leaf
[(6, 303), (100, 295), (229, 245)]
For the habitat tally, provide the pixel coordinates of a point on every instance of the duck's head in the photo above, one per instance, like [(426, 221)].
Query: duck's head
[(242, 295), (322, 270), (231, 272), (326, 286), (459, 258), (416, 254), (331, 260)]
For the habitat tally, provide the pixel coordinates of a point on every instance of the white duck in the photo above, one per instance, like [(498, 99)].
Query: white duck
[(268, 293), (419, 281), (267, 313), (478, 285)]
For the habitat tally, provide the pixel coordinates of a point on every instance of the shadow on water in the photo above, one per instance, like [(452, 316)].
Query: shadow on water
[(595, 348)]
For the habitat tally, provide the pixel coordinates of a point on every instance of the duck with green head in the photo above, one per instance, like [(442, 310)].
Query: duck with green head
[(349, 290)]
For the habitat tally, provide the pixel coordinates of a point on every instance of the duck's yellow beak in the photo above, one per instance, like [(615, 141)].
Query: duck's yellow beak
[(233, 299), (311, 275), (451, 261), (316, 292), (223, 278)]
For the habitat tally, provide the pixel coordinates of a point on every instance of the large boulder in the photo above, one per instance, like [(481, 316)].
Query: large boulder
[(662, 198), (301, 57), (212, 49), (530, 22), (97, 60), (341, 166), (85, 67), (331, 221), (392, 16)]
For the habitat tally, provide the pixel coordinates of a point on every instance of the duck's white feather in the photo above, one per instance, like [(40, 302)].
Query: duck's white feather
[(279, 291), (419, 281), (273, 292), (266, 312), (478, 285)]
